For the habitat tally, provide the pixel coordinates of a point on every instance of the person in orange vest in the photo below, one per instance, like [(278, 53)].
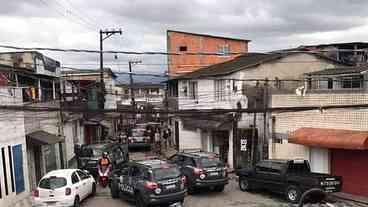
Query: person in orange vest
[(104, 168)]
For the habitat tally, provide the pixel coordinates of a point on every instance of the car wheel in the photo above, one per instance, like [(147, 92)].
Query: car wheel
[(244, 184), (293, 194), (219, 188), (114, 190), (93, 192), (191, 189), (76, 202), (140, 202)]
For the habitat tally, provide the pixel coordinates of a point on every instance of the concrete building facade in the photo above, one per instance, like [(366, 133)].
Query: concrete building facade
[(329, 128), (14, 180), (228, 86)]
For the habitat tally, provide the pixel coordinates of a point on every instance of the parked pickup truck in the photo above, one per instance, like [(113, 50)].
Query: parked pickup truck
[(290, 177)]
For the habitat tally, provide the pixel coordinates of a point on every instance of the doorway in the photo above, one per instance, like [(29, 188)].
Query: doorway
[(221, 144), (37, 161), (177, 135)]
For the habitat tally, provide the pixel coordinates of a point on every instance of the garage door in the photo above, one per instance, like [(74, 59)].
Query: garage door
[(352, 165)]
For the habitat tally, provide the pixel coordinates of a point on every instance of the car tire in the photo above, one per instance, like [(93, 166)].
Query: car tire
[(127, 157), (114, 190), (219, 188), (139, 201), (244, 184), (191, 189), (293, 194), (93, 192), (76, 202)]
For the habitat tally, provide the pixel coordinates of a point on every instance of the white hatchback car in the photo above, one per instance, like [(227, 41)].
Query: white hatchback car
[(64, 188)]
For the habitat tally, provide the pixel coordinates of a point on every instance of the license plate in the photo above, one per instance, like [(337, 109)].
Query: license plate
[(178, 204), (50, 203), (170, 186), (214, 174)]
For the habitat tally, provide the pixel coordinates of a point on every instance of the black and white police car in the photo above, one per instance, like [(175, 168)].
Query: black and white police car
[(150, 182)]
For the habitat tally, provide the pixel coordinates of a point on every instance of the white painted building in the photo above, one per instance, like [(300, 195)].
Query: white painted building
[(144, 93), (231, 85)]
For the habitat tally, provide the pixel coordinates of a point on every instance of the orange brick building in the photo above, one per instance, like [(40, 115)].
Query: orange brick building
[(186, 42)]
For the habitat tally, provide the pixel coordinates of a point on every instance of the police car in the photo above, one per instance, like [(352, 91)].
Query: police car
[(202, 170), (150, 182)]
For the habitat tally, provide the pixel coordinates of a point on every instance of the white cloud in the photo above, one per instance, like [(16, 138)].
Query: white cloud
[(269, 24)]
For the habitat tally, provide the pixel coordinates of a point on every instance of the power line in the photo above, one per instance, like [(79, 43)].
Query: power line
[(46, 3), (112, 51), (189, 111), (83, 17)]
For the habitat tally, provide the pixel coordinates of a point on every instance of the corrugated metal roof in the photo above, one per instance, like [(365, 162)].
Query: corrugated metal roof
[(330, 138)]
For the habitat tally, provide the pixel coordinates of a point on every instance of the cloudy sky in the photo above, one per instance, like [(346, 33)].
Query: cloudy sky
[(270, 24)]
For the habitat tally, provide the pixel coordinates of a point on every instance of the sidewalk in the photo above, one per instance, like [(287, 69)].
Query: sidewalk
[(26, 202), (350, 197)]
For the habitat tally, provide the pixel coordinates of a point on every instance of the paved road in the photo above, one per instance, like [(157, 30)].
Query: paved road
[(231, 197)]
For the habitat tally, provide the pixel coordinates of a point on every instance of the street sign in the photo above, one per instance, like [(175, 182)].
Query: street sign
[(243, 144)]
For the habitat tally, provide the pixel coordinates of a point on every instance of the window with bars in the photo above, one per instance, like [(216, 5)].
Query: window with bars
[(352, 82), (193, 90), (220, 90)]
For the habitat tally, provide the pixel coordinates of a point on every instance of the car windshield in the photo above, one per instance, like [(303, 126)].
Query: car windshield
[(166, 173), (52, 183), (137, 132), (206, 162), (94, 151)]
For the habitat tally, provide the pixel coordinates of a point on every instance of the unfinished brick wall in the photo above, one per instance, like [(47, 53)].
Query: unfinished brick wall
[(197, 43)]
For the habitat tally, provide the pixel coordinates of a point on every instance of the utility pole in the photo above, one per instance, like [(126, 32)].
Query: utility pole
[(131, 81), (265, 122), (104, 34)]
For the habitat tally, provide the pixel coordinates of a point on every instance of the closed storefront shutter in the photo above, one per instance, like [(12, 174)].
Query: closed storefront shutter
[(18, 168), (352, 165)]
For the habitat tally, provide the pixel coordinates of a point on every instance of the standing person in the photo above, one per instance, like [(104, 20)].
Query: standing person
[(157, 141), (170, 138), (165, 136)]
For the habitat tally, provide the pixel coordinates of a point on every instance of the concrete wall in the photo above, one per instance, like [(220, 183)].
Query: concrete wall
[(71, 139), (188, 139), (12, 133), (334, 118), (287, 151), (206, 96), (289, 67), (195, 44)]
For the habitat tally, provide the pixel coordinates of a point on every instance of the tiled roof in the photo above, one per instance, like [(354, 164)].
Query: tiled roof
[(228, 67), (340, 71), (240, 63)]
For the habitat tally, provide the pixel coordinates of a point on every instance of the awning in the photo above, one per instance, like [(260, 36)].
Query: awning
[(206, 124), (43, 138), (330, 138)]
